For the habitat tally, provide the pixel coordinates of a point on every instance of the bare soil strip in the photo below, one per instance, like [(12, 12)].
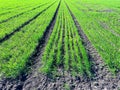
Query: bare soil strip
[(34, 80), (24, 24), (22, 13), (102, 79)]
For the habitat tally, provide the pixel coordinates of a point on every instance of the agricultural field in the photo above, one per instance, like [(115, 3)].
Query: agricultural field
[(59, 44)]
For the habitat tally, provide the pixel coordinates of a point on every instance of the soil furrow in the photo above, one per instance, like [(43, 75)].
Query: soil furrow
[(8, 36), (21, 13), (33, 80), (38, 80), (102, 78)]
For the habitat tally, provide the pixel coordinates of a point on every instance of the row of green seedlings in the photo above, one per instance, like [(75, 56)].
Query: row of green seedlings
[(16, 5), (17, 9), (109, 20), (22, 10), (64, 49), (105, 46), (5, 14), (11, 11), (108, 45), (99, 16), (16, 52), (9, 6), (14, 23), (52, 53)]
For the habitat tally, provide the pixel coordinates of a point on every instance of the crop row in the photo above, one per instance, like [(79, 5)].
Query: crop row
[(20, 11), (15, 23), (6, 5), (16, 51), (12, 11), (64, 49), (17, 9), (102, 29)]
